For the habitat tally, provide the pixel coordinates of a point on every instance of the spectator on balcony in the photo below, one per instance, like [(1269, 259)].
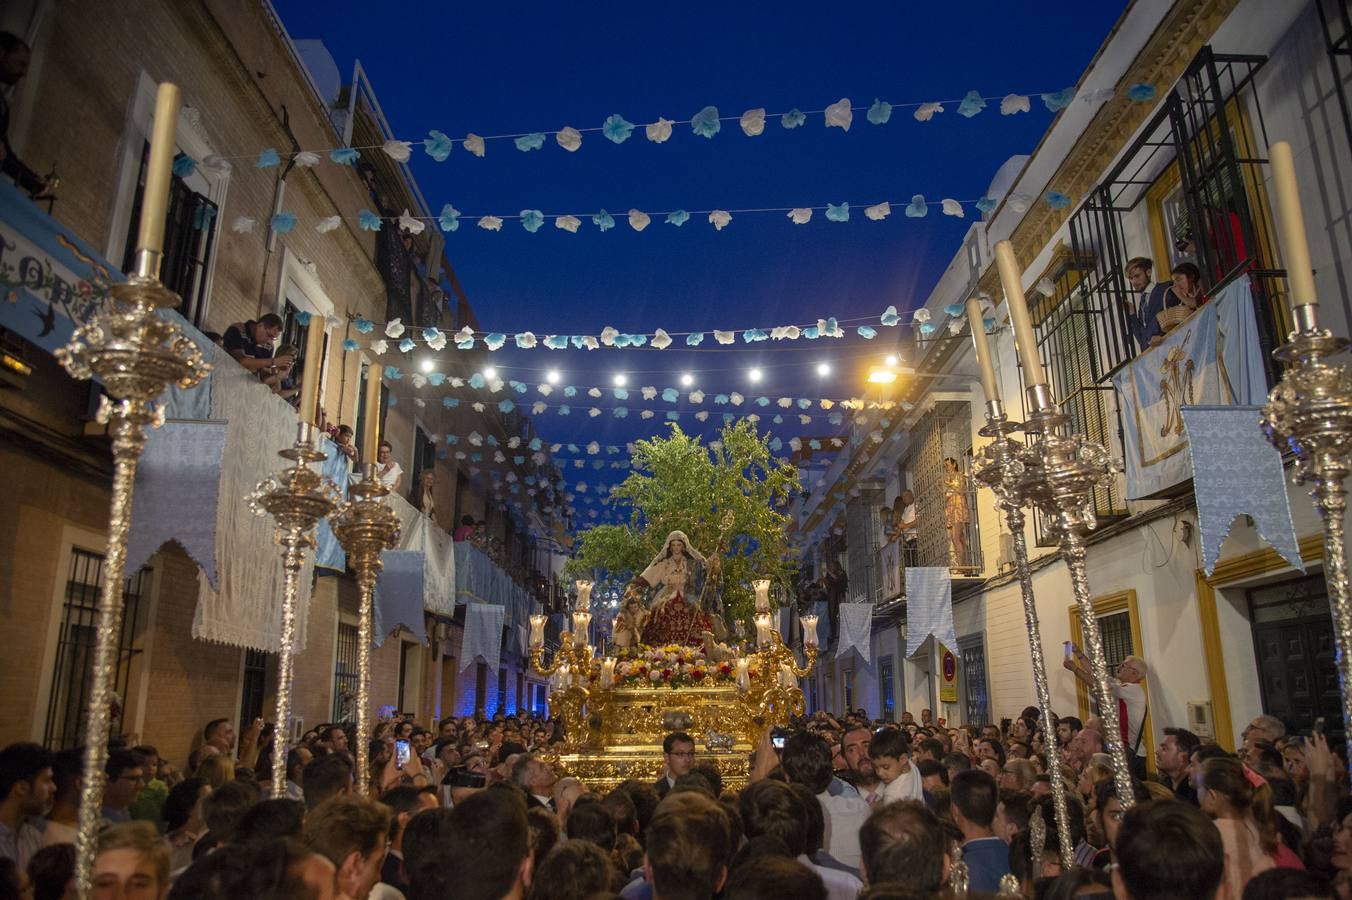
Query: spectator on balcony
[(421, 495), (465, 530), (250, 343), (956, 513), (281, 377), (1145, 303), (903, 521), (342, 438), (390, 473), (15, 56)]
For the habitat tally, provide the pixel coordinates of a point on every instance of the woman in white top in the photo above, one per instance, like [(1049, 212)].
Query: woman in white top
[(387, 470)]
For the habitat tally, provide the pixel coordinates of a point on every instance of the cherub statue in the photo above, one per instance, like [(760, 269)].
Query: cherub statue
[(629, 623)]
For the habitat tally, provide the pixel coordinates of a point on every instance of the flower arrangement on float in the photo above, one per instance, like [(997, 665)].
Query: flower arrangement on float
[(671, 666)]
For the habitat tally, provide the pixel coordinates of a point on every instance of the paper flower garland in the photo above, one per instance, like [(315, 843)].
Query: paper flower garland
[(438, 145), (368, 221), (705, 123), (616, 129), (878, 211), (569, 138), (917, 209), (753, 122), (839, 115), (880, 112), (660, 131)]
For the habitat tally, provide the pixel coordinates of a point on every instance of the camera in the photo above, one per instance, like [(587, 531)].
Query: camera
[(777, 738), (462, 777)]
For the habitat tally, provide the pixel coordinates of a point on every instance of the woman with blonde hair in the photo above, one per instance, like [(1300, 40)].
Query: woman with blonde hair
[(217, 770)]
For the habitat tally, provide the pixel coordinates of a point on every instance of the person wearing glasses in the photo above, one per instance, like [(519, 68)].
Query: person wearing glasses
[(126, 778), (678, 754), (1129, 689)]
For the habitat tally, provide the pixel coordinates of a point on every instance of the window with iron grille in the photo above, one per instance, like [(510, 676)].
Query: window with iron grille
[(66, 706), (255, 678), (975, 696), (345, 673), (889, 693), (1116, 631)]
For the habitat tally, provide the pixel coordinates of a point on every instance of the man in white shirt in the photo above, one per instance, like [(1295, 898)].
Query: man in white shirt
[(807, 760), (910, 534), (1128, 688)]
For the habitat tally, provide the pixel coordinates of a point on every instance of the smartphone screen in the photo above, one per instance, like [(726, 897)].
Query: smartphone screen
[(401, 754)]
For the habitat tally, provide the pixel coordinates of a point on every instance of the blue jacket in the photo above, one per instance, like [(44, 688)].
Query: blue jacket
[(1145, 321)]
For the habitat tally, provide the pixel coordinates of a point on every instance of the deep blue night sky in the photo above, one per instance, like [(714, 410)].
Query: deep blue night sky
[(500, 68)]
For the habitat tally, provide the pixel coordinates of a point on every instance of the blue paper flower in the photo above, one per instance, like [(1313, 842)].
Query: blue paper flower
[(621, 412), (364, 325), (202, 218), (804, 403), (1057, 200), (449, 220), (393, 373), (890, 317), (752, 335), (1059, 100), (971, 104), (678, 218), (557, 342), (564, 410), (268, 158), (603, 220), (617, 129), (928, 328), (572, 448), (532, 219), (394, 401), (879, 112), (671, 395), (283, 222), (477, 380), (954, 309), (492, 440), (792, 119), (721, 399), (349, 345), (436, 379), (406, 345), (986, 204), (775, 443), (694, 339), (917, 209), (528, 142), (368, 220), (506, 406), (637, 340), (184, 165), (519, 460), (576, 341), (835, 418), (570, 391), (838, 212), (467, 343), (1141, 93), (705, 123), (672, 415), (437, 145), (866, 332), (812, 332), (814, 444), (762, 401), (988, 324), (495, 340)]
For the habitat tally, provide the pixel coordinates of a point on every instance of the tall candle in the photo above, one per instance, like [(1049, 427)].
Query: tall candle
[(581, 624), (310, 378), (1291, 226), (809, 631), (763, 629), (1012, 280), (608, 672), (159, 169), (984, 360), (370, 439), (743, 675), (762, 588), (537, 630)]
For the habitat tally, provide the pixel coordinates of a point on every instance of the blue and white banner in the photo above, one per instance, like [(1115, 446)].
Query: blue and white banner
[(856, 629), (483, 635), (329, 556), (1212, 359), (399, 595), (1236, 471), (178, 484), (929, 607)]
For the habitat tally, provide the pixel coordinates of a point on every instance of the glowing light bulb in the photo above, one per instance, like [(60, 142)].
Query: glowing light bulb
[(621, 380), (490, 373), (891, 359), (687, 379), (754, 375), (552, 376), (823, 369), (428, 365)]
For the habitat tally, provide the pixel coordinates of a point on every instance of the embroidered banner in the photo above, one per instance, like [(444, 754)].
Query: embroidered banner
[(856, 629), (929, 607), (1235, 471), (483, 635), (399, 595), (1211, 359), (329, 556), (177, 488)]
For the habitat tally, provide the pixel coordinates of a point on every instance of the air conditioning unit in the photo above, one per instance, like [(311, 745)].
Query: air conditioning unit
[(1200, 722)]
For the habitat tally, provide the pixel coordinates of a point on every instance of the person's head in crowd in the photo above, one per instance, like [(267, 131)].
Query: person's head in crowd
[(326, 776), (566, 792), (1224, 791), (1011, 813), (262, 869), (709, 772), (687, 849), (1108, 809), (1174, 752), (1265, 728), (1066, 729), (573, 870), (954, 763), (1138, 272), (130, 861), (814, 820), (621, 807), (1018, 775), (991, 748), (350, 832), (904, 842), (483, 853), (126, 778), (223, 809), (645, 799), (404, 802), (1020, 859), (216, 770), (183, 806), (974, 796), (774, 878), (26, 783), (806, 760), (931, 749), (1086, 743), (678, 752), (51, 872), (772, 807), (1167, 850), (533, 775), (890, 753), (854, 744), (932, 775), (335, 736), (544, 833), (1289, 884), (297, 758), (271, 820), (590, 820), (1265, 759), (219, 733)]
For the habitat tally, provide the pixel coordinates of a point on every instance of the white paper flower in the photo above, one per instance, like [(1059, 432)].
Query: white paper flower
[(1020, 202), (953, 208), (638, 220), (593, 392), (568, 223), (593, 448), (399, 151), (545, 389), (792, 332), (474, 144), (736, 398), (456, 381), (608, 336), (648, 393), (659, 131), (438, 340), (725, 337), (839, 114), (800, 215), (719, 218), (955, 326), (243, 224), (327, 224), (696, 396), (569, 138), (804, 419), (827, 404), (379, 347), (878, 211), (921, 315), (702, 415), (465, 335), (526, 340), (926, 111), (660, 339), (411, 224), (490, 223), (646, 414), (593, 412), (306, 159), (332, 322), (538, 407), (418, 380), (1013, 103), (216, 163), (589, 342), (795, 444), (394, 329), (514, 441), (785, 402), (753, 121)]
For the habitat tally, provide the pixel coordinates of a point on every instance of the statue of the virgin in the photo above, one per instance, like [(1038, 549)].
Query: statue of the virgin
[(677, 576)]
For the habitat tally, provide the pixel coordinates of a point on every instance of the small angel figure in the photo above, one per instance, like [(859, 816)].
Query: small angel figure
[(629, 623)]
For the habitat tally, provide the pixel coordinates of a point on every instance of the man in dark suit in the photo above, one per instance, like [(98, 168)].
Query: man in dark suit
[(1144, 303), (535, 776), (404, 802), (678, 753)]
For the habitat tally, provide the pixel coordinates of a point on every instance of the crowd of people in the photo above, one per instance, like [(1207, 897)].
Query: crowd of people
[(833, 807)]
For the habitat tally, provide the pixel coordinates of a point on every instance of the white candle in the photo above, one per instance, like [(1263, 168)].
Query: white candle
[(581, 622), (608, 672), (1291, 226), (537, 630), (809, 631), (989, 384), (565, 677), (743, 675), (763, 629), (762, 588), (786, 677), (584, 589), (1012, 280), (159, 169)]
